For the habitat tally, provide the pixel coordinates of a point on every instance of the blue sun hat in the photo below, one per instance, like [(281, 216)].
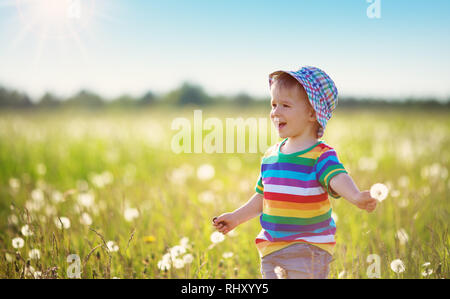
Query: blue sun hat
[(321, 90)]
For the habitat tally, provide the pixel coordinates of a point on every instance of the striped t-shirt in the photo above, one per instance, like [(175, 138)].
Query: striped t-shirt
[(296, 207)]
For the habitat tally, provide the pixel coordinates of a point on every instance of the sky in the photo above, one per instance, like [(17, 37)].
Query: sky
[(116, 47)]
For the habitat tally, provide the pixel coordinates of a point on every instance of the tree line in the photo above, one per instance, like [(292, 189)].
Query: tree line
[(186, 94)]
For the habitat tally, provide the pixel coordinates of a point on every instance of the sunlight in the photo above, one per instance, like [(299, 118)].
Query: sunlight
[(55, 18)]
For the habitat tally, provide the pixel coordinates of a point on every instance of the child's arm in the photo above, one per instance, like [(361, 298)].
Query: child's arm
[(226, 222), (343, 184)]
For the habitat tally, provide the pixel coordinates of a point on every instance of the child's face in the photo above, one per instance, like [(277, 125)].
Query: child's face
[(291, 112)]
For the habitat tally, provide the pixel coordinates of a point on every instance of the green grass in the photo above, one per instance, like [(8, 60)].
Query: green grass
[(408, 148)]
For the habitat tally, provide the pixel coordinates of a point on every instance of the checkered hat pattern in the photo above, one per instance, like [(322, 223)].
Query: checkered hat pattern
[(322, 93)]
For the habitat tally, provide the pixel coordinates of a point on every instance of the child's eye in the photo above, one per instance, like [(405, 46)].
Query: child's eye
[(286, 106)]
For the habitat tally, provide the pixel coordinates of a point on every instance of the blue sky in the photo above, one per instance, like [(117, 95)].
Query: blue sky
[(115, 47)]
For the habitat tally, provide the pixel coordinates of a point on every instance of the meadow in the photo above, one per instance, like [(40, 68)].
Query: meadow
[(101, 194)]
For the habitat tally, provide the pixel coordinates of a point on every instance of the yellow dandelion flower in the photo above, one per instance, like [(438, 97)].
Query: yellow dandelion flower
[(149, 239)]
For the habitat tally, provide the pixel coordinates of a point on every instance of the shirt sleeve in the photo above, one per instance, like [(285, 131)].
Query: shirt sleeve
[(259, 186), (327, 166)]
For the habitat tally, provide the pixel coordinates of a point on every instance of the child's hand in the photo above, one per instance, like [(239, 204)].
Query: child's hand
[(225, 222), (365, 202)]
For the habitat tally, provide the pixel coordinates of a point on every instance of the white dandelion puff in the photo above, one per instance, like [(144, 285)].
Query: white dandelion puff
[(176, 251), (402, 236), (178, 263), (13, 219), (379, 191), (188, 258), (57, 196), (14, 183), (37, 195), (164, 265), (86, 199), (112, 246), (427, 271), (227, 255), (184, 242), (130, 214), (26, 231), (18, 242), (9, 258), (397, 266), (85, 219), (217, 237), (205, 172), (62, 222), (34, 254)]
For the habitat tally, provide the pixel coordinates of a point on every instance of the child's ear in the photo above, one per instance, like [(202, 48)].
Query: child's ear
[(312, 114)]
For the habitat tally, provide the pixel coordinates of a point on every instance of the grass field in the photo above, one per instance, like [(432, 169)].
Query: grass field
[(103, 195)]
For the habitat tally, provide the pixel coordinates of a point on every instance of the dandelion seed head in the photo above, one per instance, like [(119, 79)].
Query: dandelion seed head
[(402, 236), (85, 219), (227, 255), (13, 219), (164, 265), (57, 196), (397, 266), (65, 222), (34, 254), (130, 214), (188, 258), (14, 183), (379, 191), (86, 199), (178, 263), (176, 251), (112, 246), (26, 231), (18, 242), (217, 237), (205, 172), (9, 258), (37, 195)]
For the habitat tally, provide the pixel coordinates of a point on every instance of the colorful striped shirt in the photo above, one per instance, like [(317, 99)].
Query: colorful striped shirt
[(296, 207)]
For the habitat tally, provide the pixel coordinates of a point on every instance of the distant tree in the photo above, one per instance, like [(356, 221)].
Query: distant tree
[(85, 98), (12, 98), (187, 94), (147, 99), (242, 99), (48, 100), (124, 101)]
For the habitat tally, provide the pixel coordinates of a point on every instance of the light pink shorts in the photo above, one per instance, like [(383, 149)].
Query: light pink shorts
[(296, 261)]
